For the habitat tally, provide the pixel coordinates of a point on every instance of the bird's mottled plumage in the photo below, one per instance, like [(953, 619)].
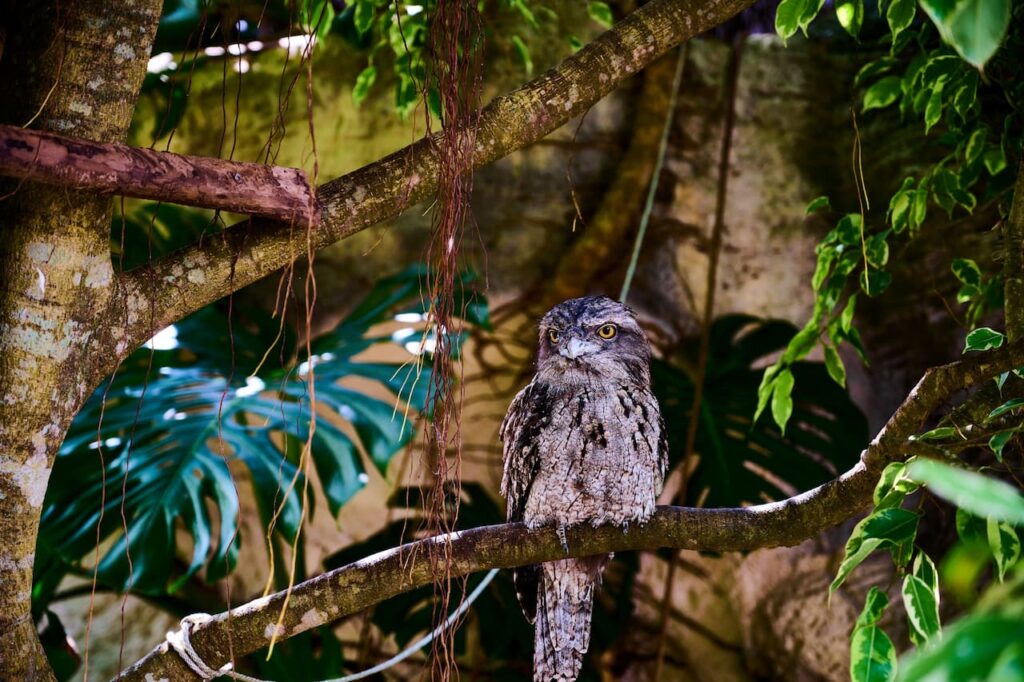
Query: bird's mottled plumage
[(583, 442)]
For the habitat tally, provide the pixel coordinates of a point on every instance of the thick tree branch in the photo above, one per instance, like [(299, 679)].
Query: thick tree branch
[(352, 588), (1013, 269), (195, 276), (111, 168)]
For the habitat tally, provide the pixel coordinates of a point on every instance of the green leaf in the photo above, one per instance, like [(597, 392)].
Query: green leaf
[(743, 461), (787, 17), (969, 650), (811, 10), (967, 271), (999, 441), (819, 204), (601, 13), (575, 43), (834, 365), (1004, 543), (900, 16), (851, 15), (875, 602), (891, 527), (940, 433), (882, 93), (983, 338), (766, 388), (977, 28), (782, 399), (872, 655), (846, 317), (980, 495), (919, 210), (893, 486), (875, 282), (364, 81), (994, 160), (922, 606), (826, 256), (975, 145), (933, 110), (924, 569), (877, 249), (524, 54), (363, 16), (1009, 405)]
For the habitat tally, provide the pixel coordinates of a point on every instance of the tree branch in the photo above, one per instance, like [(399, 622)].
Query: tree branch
[(1013, 269), (185, 281), (352, 588), (111, 168)]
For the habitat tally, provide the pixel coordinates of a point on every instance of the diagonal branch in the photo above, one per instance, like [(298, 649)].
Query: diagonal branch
[(112, 168), (352, 588), (185, 281)]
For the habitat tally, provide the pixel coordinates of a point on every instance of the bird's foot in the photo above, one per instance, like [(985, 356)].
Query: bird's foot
[(560, 531)]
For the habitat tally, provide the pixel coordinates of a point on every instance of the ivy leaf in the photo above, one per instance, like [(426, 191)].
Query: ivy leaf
[(1004, 543), (883, 93), (782, 399), (969, 650), (978, 494), (994, 160), (900, 16), (601, 13), (933, 110), (983, 338)]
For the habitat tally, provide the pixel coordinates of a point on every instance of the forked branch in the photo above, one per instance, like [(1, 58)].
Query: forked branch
[(352, 588), (191, 278)]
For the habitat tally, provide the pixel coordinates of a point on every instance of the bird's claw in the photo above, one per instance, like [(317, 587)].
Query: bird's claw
[(560, 531)]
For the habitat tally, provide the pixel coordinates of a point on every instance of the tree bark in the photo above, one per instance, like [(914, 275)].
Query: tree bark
[(1013, 268), (73, 68), (352, 588), (270, 191)]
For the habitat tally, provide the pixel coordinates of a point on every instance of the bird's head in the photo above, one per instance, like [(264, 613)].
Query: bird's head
[(593, 335)]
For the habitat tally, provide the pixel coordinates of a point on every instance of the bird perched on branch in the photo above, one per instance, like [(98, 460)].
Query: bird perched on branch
[(583, 442)]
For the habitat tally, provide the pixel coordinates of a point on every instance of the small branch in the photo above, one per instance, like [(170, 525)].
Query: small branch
[(243, 254), (270, 191), (352, 588), (1013, 269)]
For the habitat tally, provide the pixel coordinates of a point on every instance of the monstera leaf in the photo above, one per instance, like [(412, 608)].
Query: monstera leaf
[(152, 453), (508, 640), (743, 462)]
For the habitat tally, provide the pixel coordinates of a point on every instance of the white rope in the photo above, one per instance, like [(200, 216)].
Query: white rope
[(179, 641)]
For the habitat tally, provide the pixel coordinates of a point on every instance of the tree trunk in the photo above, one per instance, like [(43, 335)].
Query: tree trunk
[(75, 69)]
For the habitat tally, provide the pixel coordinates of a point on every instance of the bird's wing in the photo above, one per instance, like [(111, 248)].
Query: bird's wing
[(520, 433)]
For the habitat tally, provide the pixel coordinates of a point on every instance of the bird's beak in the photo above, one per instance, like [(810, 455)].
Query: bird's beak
[(574, 348)]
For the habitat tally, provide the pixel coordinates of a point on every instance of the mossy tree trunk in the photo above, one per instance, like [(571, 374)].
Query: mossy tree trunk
[(73, 68)]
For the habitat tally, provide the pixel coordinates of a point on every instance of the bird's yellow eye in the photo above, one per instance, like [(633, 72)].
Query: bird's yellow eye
[(607, 331), (553, 335)]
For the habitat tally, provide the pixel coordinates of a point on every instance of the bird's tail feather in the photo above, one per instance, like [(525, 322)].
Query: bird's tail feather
[(565, 602)]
